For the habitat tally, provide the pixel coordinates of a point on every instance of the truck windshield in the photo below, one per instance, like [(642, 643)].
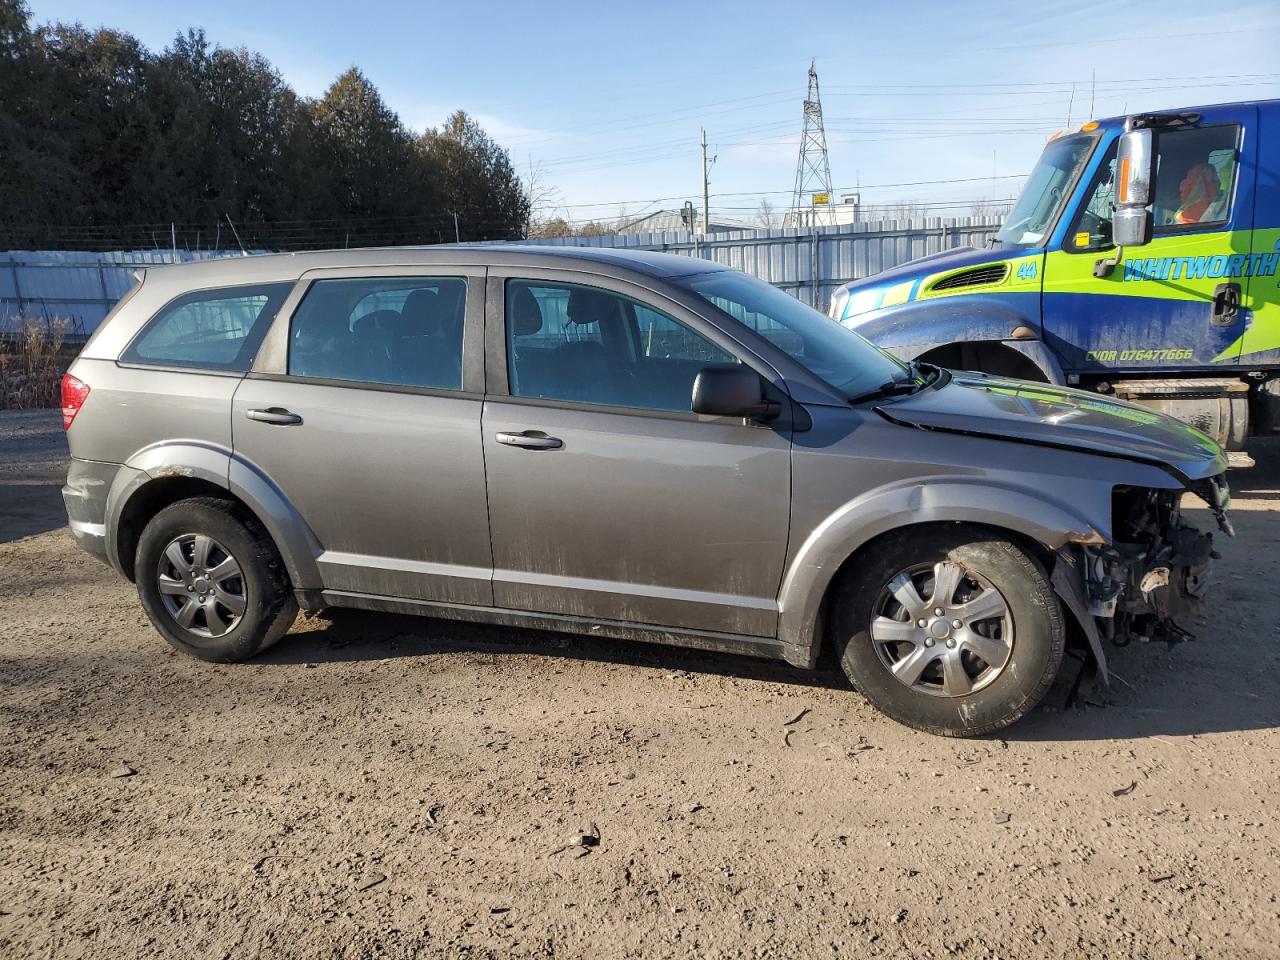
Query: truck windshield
[(1042, 199), (835, 353)]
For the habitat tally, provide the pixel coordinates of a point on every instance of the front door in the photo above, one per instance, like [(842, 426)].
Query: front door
[(1171, 303), (365, 411), (609, 499)]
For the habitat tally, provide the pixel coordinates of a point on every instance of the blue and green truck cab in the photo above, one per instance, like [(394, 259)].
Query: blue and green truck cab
[(1140, 261)]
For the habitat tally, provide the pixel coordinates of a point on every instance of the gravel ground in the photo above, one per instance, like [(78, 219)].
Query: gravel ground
[(381, 786)]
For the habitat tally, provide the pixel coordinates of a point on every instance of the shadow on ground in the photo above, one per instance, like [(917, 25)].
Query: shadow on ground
[(32, 472), (354, 635), (1190, 689)]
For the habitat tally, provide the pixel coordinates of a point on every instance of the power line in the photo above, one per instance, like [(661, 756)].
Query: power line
[(759, 193)]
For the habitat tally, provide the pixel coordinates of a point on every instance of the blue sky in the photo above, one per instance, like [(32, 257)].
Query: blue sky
[(608, 98)]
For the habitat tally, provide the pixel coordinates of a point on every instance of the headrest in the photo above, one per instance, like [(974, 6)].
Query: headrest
[(590, 306), (523, 311), (322, 318), (379, 321), (420, 308)]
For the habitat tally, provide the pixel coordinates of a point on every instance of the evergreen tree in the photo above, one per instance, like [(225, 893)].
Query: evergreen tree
[(106, 145)]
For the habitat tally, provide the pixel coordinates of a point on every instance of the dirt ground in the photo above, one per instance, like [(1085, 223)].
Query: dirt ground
[(381, 786)]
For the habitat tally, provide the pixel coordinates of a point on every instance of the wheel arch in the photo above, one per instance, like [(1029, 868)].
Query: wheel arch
[(164, 474), (1040, 526), (1001, 327), (1021, 359)]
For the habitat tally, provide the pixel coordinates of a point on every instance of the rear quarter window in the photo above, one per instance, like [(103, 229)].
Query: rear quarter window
[(215, 329)]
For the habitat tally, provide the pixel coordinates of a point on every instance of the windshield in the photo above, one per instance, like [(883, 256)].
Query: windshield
[(1043, 197), (839, 356)]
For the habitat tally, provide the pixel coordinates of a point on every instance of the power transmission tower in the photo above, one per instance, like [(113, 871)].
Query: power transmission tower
[(813, 169)]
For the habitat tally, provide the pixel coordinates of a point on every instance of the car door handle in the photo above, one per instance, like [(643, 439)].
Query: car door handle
[(276, 415), (531, 440)]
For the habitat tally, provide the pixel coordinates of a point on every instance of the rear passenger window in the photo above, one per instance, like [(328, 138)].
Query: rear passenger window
[(210, 329), (401, 331)]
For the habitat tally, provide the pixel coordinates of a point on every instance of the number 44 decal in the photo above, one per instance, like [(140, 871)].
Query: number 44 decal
[(1027, 270)]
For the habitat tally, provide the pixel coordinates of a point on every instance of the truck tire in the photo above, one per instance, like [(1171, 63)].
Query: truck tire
[(953, 630), (212, 581)]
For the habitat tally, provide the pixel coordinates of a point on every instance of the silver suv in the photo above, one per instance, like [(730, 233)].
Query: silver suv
[(628, 445)]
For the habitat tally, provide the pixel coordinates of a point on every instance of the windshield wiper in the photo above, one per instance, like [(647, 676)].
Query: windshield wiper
[(887, 389), (922, 375)]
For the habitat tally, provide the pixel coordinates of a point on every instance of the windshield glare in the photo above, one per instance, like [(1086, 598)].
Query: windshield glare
[(1042, 198), (839, 356)]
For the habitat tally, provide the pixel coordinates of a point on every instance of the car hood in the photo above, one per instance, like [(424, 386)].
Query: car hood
[(1037, 413)]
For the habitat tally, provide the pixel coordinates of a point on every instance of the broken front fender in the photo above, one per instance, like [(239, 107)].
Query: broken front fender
[(1150, 579)]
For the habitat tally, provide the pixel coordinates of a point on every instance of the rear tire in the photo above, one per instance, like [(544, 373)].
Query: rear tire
[(212, 581), (986, 659)]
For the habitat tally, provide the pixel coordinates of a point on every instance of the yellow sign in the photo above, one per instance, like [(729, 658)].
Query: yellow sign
[(821, 199)]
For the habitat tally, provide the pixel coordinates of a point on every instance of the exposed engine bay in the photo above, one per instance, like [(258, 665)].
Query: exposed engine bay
[(1154, 575)]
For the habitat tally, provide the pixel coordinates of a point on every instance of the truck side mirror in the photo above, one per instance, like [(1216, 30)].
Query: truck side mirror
[(731, 390), (1131, 222), (1135, 175)]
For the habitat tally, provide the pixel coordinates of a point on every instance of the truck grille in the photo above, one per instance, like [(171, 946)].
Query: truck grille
[(977, 277)]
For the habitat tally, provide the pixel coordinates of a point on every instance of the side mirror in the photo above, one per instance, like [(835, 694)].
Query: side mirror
[(1135, 175), (731, 390)]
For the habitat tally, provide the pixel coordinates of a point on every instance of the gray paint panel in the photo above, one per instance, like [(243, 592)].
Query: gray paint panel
[(639, 518), (395, 476), (130, 408)]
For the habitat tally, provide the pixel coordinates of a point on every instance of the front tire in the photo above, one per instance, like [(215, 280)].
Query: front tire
[(952, 630), (212, 581)]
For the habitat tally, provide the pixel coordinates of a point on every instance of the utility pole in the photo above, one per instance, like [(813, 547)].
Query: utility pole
[(706, 188), (813, 168)]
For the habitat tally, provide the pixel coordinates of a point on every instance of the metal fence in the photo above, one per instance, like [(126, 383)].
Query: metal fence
[(73, 287), (808, 262)]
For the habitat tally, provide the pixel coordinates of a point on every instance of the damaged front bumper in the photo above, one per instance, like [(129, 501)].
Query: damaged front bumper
[(1152, 577)]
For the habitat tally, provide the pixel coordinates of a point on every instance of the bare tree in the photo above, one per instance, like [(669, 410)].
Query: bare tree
[(555, 227), (984, 207), (766, 216), (543, 199)]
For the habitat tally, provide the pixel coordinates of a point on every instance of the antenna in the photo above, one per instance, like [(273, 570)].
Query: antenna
[(236, 232), (813, 169)]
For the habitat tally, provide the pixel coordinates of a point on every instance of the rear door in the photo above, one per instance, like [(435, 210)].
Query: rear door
[(1165, 306), (364, 409), (609, 499)]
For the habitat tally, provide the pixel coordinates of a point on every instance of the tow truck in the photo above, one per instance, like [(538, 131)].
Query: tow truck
[(1140, 261)]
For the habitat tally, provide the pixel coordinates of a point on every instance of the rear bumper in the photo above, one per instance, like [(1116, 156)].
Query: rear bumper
[(85, 496)]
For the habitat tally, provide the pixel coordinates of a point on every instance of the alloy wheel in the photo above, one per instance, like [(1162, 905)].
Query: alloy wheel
[(942, 629), (201, 585)]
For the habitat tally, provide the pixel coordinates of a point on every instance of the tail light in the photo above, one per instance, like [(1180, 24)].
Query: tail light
[(74, 393)]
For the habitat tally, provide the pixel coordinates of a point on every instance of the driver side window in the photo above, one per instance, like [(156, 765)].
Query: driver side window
[(588, 345), (1195, 174)]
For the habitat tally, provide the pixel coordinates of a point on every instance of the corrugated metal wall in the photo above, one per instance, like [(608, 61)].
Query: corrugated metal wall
[(75, 287), (808, 262)]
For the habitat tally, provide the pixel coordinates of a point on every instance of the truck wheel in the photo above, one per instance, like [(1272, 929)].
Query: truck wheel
[(212, 581), (951, 630)]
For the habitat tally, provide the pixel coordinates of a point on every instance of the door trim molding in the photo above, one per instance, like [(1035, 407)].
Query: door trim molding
[(654, 591)]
